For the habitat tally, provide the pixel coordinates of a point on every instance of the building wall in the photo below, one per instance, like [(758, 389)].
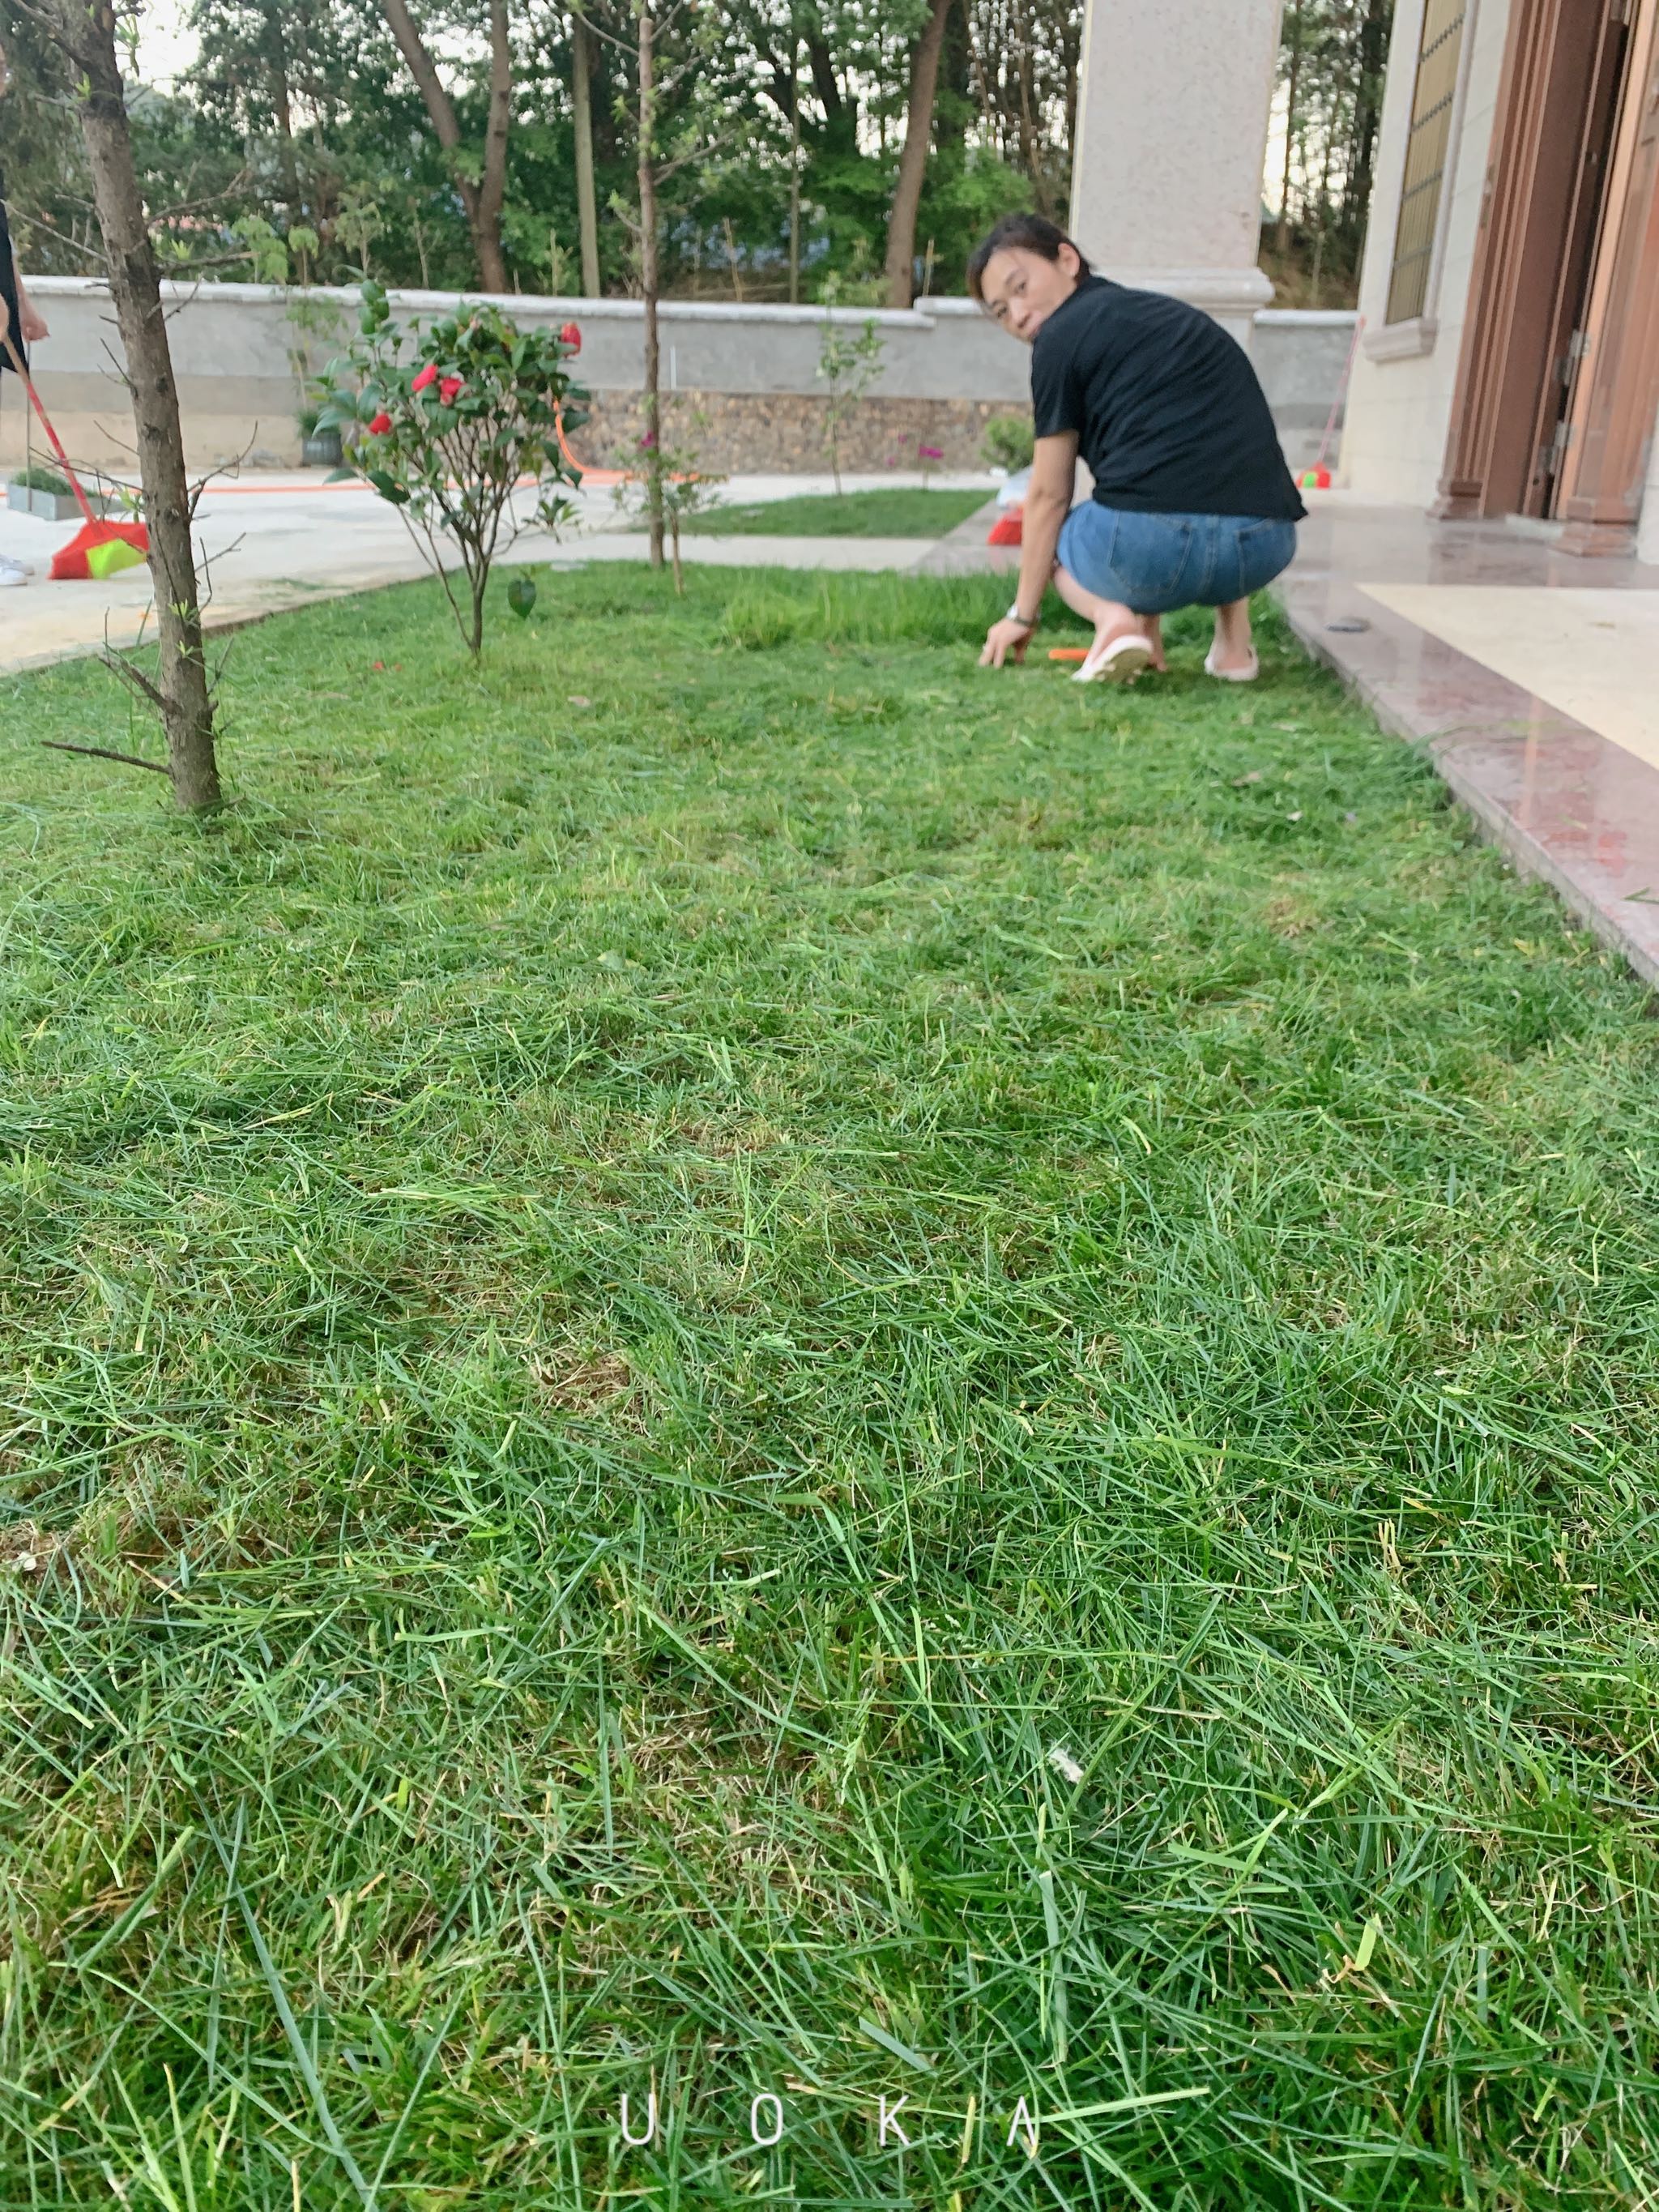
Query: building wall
[(750, 371), (1400, 402), (1647, 534)]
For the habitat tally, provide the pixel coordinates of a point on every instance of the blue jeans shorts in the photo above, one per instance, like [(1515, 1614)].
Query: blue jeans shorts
[(1154, 563)]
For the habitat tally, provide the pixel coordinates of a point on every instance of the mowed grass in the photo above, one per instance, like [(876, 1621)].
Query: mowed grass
[(739, 1364), (889, 511)]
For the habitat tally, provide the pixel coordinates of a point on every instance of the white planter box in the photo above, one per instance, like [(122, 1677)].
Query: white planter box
[(53, 506)]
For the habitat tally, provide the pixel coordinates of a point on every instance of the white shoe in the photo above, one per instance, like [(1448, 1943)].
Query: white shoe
[(13, 572), (1119, 662), (1248, 674)]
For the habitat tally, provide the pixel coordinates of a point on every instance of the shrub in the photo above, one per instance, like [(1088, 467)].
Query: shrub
[(41, 479), (1009, 443), (450, 440)]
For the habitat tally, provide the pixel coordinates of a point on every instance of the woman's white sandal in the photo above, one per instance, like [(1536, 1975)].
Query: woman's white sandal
[(1119, 662), (1248, 674)]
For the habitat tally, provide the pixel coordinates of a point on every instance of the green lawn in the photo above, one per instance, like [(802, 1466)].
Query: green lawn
[(896, 511), (736, 1358)]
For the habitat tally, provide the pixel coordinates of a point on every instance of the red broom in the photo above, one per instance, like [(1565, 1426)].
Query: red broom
[(98, 549)]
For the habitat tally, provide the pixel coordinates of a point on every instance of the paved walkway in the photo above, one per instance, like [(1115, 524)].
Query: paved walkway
[(275, 541)]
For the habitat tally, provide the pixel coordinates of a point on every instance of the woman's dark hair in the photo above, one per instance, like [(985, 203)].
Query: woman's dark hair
[(1033, 232)]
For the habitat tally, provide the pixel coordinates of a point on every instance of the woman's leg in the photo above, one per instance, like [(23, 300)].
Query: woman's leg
[(1110, 618), (1234, 648)]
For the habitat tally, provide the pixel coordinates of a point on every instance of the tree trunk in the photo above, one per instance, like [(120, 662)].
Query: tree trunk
[(840, 115), (1282, 233), (648, 286), (954, 102), (1368, 110), (913, 162), (795, 170), (587, 205), (486, 239), (283, 107), (86, 29), (492, 190)]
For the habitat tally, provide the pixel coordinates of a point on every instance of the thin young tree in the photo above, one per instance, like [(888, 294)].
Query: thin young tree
[(84, 32), (653, 89), (650, 280)]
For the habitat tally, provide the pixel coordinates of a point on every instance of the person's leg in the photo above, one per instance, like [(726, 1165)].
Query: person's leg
[(1250, 552), (1110, 618), (1234, 649)]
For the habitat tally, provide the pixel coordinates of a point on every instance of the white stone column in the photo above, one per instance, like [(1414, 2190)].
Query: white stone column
[(1173, 98)]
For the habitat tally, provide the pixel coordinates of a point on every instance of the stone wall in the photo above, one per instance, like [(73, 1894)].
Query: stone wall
[(784, 431)]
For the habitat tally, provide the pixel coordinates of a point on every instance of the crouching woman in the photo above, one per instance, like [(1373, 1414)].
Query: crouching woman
[(1193, 504)]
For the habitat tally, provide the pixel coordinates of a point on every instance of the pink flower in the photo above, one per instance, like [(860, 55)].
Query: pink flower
[(571, 335), (381, 425), (648, 441), (931, 452), (428, 377), (447, 389)]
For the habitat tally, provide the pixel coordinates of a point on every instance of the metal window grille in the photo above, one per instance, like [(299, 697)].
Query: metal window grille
[(1439, 51)]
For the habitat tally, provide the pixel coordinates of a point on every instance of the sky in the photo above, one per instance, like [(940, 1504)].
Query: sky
[(165, 48)]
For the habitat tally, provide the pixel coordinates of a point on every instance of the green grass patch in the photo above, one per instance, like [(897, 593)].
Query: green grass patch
[(735, 1359), (896, 511)]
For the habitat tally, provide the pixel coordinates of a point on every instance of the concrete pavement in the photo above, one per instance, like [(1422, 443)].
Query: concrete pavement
[(270, 541)]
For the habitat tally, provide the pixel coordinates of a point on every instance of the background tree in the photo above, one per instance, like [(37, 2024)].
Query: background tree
[(483, 193), (913, 162), (481, 142), (1333, 60)]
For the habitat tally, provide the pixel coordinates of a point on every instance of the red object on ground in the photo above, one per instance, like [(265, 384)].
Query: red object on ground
[(1315, 479), (1068, 653), (571, 335), (77, 560), (428, 376), (1008, 529)]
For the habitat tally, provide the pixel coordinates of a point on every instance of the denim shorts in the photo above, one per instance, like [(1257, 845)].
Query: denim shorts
[(1156, 562)]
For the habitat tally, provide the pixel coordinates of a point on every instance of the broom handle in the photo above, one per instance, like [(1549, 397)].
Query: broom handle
[(52, 434), (1341, 391)]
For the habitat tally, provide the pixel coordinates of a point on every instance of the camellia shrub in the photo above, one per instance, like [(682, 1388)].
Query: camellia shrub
[(461, 424)]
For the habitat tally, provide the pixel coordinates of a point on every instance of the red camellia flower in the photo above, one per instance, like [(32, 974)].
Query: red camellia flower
[(428, 377), (571, 335), (448, 388), (381, 425)]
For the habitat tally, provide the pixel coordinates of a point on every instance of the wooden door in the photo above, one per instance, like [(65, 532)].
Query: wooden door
[(1537, 191), (1610, 414), (1568, 344)]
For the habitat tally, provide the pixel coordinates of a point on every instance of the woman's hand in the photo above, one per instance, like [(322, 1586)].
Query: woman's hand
[(32, 321), (1003, 638)]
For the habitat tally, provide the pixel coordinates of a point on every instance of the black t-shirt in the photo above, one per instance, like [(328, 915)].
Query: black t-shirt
[(1169, 414), (7, 284)]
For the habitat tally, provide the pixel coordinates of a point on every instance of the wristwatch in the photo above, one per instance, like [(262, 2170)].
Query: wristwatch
[(1014, 614)]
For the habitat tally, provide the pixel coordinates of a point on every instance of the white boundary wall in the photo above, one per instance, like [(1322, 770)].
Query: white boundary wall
[(237, 349)]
